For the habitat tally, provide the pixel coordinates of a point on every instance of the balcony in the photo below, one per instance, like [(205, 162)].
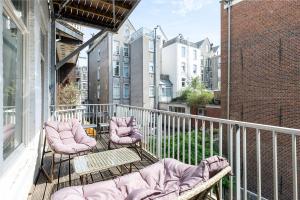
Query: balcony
[(191, 138)]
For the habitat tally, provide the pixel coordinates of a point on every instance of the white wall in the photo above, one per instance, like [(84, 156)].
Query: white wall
[(17, 172), (170, 64)]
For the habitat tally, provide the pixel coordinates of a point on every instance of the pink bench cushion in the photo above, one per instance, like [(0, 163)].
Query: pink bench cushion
[(166, 179)]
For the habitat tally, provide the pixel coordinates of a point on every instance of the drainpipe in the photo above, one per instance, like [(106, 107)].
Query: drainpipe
[(228, 56), (156, 88)]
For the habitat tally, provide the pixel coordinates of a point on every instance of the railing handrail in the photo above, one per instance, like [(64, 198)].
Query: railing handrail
[(265, 127)]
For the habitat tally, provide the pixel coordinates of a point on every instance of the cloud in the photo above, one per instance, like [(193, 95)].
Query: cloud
[(182, 7)]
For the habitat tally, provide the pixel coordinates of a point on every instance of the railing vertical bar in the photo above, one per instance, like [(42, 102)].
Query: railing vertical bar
[(203, 139), (183, 140), (169, 134), (151, 133), (221, 154), (258, 158), (294, 161), (165, 135), (189, 140), (275, 169), (159, 127), (231, 160), (196, 142), (173, 135), (211, 139), (100, 114), (178, 138), (238, 163), (245, 163)]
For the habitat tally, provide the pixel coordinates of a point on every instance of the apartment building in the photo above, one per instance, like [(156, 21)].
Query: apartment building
[(82, 72), (183, 60), (109, 67), (145, 68), (262, 54), (215, 75)]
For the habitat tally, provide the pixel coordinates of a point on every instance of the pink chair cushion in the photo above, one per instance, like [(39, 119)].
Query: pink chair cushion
[(119, 134), (124, 131), (166, 179), (68, 137)]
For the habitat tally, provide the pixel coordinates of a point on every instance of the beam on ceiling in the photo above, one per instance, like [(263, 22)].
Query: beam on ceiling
[(62, 7), (81, 47)]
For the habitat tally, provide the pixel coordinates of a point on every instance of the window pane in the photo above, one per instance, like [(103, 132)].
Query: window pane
[(151, 67), (126, 50), (12, 86), (116, 47), (182, 51), (126, 91), (116, 68), (151, 45), (125, 70), (116, 89)]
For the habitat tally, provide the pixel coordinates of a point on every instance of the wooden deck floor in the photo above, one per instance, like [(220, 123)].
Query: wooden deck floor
[(42, 189)]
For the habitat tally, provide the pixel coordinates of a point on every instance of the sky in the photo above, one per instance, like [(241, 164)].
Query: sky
[(194, 19)]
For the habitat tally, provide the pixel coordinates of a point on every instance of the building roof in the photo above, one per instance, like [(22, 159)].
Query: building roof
[(99, 14), (215, 48), (165, 80), (181, 40)]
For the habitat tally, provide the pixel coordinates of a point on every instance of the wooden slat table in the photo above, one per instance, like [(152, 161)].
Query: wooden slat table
[(105, 160)]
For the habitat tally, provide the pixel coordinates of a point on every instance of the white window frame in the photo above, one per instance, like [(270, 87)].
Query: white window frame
[(151, 67), (115, 65), (183, 67), (125, 65), (116, 47), (116, 86), (195, 54), (10, 11), (183, 51), (195, 69), (183, 82), (126, 85), (151, 45), (151, 94), (126, 46)]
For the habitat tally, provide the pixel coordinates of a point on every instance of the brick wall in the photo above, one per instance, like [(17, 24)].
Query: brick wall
[(265, 81)]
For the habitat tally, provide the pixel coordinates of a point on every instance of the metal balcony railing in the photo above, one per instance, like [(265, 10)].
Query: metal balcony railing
[(191, 138)]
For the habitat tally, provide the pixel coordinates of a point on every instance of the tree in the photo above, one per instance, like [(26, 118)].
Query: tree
[(195, 94), (68, 94)]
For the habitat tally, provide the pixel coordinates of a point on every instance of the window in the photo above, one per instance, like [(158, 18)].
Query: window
[(207, 48), (116, 68), (99, 55), (84, 86), (202, 75), (98, 91), (183, 66), (116, 47), (183, 52), (151, 45), (166, 91), (125, 70), (151, 91), (202, 61), (151, 67), (126, 91), (195, 69), (126, 50), (116, 89), (183, 82), (177, 109), (12, 86), (195, 54)]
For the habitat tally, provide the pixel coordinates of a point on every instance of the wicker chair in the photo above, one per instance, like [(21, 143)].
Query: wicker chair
[(67, 138), (132, 138)]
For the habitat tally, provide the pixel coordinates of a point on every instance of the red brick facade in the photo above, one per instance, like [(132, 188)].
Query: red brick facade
[(265, 81)]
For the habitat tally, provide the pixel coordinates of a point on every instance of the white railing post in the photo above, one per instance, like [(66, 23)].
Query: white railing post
[(275, 169), (258, 158), (238, 163), (294, 162), (159, 128), (245, 164)]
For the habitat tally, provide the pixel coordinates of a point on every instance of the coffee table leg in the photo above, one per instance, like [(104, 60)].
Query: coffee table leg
[(130, 167), (81, 180)]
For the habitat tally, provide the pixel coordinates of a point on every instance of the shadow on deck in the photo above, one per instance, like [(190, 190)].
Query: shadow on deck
[(42, 189)]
